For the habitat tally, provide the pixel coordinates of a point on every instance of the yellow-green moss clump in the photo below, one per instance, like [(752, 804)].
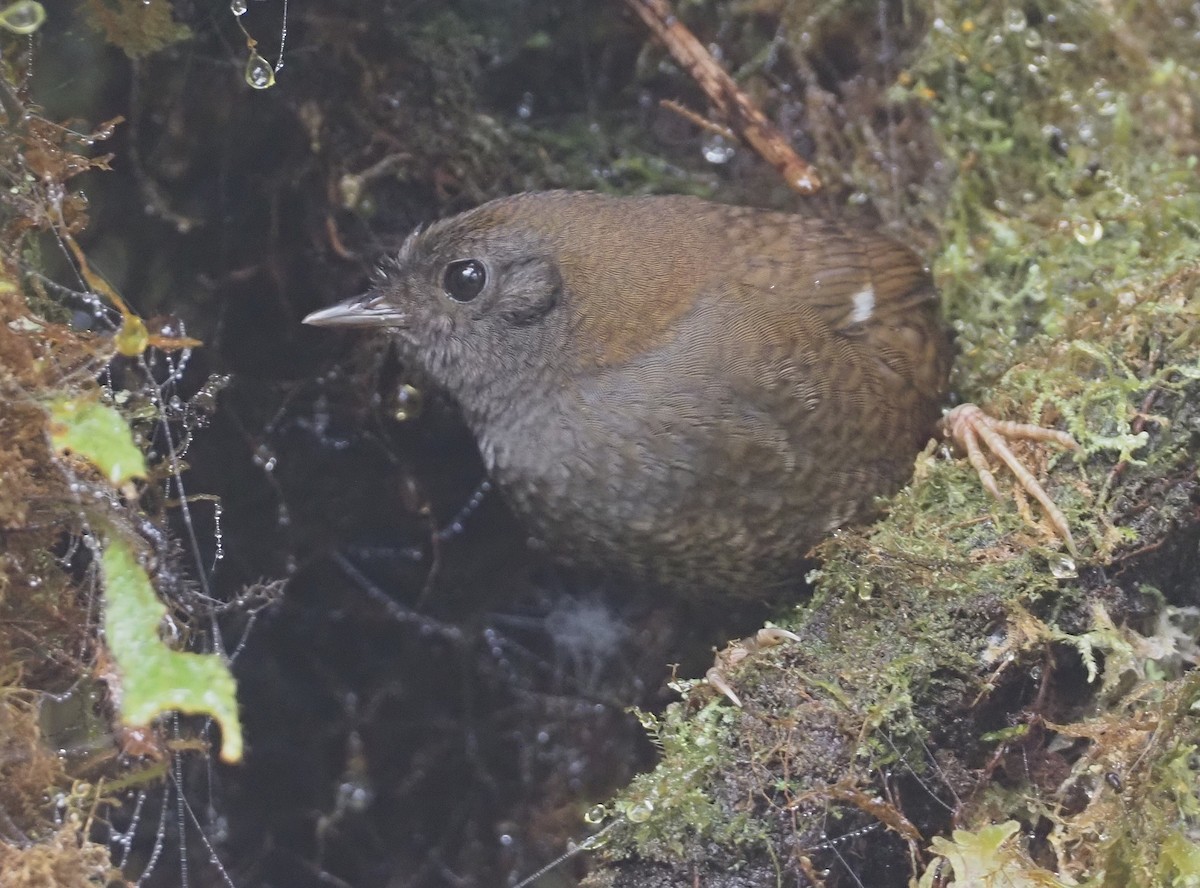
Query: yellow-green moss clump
[(968, 705)]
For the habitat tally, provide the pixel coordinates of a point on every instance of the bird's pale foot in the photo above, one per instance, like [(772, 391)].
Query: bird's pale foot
[(967, 425), (764, 638)]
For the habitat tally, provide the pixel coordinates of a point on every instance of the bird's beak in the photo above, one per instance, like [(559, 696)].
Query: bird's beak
[(367, 310)]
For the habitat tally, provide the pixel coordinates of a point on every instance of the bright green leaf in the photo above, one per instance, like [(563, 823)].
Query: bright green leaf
[(988, 859), (99, 434), (154, 678)]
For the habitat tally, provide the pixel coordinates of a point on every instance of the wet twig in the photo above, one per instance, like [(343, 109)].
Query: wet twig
[(727, 98)]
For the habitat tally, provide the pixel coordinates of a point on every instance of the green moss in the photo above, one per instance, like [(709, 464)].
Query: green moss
[(1075, 180), (666, 812)]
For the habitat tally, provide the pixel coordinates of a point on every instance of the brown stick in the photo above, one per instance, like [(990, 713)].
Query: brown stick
[(698, 120), (733, 104)]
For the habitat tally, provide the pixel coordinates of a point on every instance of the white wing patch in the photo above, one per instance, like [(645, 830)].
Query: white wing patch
[(864, 305)]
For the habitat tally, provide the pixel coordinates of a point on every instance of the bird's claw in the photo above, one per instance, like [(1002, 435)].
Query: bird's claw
[(767, 637), (966, 425)]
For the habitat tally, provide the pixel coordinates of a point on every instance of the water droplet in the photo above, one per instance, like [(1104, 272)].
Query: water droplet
[(238, 7), (22, 17), (218, 536), (1088, 232), (1033, 39), (599, 840), (354, 796), (1014, 20), (525, 108), (596, 814), (409, 403), (205, 400), (1063, 567), (716, 149), (640, 812), (259, 73), (265, 458)]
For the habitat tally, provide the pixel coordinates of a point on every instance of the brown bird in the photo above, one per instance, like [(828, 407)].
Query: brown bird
[(676, 392)]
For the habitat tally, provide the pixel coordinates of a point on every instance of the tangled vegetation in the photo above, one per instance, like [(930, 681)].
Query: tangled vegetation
[(967, 705)]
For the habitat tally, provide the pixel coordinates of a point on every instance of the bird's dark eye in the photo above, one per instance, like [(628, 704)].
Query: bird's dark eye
[(463, 280)]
